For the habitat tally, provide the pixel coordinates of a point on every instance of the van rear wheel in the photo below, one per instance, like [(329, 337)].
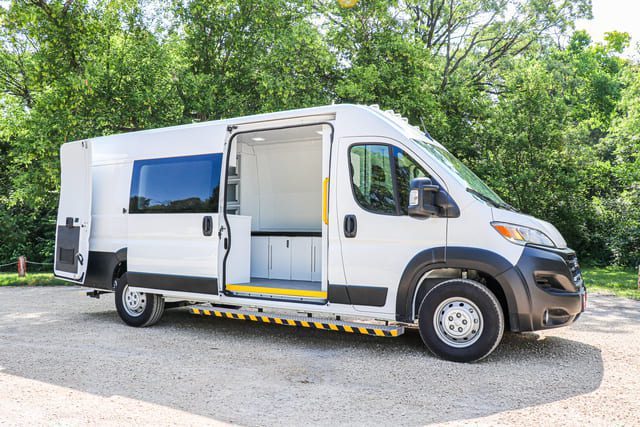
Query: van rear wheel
[(461, 320), (137, 308)]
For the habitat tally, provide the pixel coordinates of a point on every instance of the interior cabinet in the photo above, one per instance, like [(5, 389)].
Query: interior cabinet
[(280, 257), (260, 257), (301, 258), (316, 259), (286, 258)]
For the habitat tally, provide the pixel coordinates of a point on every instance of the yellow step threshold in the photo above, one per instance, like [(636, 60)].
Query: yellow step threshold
[(250, 289)]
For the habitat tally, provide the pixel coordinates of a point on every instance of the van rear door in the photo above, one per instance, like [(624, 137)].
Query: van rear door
[(74, 212)]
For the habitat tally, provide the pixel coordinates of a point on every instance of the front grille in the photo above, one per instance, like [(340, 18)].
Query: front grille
[(574, 268)]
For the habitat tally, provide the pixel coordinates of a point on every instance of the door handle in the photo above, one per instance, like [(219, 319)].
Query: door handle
[(350, 226), (207, 225)]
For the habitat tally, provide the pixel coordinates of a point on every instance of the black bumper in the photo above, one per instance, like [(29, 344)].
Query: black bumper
[(555, 292)]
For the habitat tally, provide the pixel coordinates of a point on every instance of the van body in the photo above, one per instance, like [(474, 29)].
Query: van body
[(340, 210)]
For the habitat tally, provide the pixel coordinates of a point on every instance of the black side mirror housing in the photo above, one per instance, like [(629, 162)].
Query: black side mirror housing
[(427, 199), (422, 197)]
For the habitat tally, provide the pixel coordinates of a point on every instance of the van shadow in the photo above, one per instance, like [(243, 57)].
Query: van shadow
[(258, 374)]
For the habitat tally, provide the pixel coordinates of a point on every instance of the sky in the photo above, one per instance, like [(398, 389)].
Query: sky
[(619, 15)]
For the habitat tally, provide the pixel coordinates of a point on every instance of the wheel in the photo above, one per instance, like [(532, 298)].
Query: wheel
[(461, 320), (137, 308)]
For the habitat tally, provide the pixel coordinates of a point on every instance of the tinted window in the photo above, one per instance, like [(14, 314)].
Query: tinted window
[(188, 184), (372, 179), (406, 170), (373, 170)]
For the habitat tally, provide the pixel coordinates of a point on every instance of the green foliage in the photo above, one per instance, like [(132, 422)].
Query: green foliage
[(612, 280), (545, 115)]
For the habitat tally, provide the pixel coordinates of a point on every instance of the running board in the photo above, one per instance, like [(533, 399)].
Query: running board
[(305, 322)]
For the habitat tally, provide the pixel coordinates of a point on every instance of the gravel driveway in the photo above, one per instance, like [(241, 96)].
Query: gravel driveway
[(66, 359)]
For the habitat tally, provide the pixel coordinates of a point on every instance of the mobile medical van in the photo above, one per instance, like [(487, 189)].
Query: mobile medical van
[(341, 217)]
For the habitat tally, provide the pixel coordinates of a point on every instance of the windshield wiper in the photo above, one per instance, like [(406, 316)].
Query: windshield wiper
[(483, 197), (491, 201)]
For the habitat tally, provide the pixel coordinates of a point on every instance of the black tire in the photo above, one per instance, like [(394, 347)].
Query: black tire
[(149, 315), (476, 304)]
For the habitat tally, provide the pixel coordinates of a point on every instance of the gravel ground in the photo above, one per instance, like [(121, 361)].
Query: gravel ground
[(68, 360)]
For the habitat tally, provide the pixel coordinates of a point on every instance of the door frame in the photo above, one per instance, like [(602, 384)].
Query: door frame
[(224, 231)]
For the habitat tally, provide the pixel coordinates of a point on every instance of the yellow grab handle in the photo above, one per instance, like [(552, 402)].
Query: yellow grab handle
[(325, 201)]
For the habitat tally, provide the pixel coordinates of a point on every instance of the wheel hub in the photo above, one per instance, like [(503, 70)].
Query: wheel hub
[(458, 322), (134, 302)]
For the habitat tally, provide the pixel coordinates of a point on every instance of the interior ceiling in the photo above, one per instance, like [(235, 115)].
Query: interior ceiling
[(282, 135)]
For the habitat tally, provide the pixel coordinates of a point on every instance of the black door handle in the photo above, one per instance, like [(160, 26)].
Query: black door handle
[(207, 225), (350, 226)]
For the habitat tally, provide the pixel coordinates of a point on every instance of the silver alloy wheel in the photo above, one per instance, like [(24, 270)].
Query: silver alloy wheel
[(134, 302), (458, 322)]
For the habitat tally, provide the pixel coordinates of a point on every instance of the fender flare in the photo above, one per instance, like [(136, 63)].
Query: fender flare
[(121, 254), (505, 273), (101, 266)]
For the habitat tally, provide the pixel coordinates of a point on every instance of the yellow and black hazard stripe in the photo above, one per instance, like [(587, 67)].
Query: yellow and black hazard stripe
[(258, 317)]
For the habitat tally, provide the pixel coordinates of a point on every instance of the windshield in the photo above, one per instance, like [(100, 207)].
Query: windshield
[(474, 184)]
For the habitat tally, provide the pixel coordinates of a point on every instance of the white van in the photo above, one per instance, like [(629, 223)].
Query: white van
[(323, 215)]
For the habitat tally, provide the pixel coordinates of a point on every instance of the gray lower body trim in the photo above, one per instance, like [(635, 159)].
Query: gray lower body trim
[(170, 282), (374, 296)]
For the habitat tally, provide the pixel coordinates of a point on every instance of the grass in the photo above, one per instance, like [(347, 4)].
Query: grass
[(619, 281), (31, 279)]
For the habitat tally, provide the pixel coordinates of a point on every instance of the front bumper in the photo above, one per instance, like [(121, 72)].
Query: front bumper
[(556, 295)]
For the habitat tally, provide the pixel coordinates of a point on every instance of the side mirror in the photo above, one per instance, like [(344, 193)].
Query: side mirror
[(422, 197), (427, 199)]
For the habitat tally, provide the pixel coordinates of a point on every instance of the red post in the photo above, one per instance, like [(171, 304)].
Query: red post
[(22, 266)]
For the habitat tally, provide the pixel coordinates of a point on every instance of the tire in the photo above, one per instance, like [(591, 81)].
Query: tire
[(141, 310), (461, 320)]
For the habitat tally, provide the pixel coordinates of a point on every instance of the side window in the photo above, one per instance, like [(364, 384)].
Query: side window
[(372, 179), (380, 178), (406, 170), (189, 184)]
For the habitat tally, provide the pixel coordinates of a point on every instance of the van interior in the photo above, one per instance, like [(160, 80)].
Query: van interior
[(275, 178)]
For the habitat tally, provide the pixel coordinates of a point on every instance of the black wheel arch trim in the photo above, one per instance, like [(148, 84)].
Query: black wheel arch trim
[(505, 273), (101, 267)]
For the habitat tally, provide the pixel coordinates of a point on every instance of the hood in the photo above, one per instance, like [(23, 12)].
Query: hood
[(518, 218)]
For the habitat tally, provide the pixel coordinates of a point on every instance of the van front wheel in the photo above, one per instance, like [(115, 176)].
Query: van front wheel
[(461, 320), (138, 308)]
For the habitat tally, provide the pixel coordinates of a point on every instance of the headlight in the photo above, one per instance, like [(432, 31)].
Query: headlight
[(521, 235)]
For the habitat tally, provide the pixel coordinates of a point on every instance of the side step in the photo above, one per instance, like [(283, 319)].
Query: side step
[(305, 322)]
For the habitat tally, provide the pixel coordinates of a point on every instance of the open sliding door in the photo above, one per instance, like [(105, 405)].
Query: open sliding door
[(274, 210), (73, 224)]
